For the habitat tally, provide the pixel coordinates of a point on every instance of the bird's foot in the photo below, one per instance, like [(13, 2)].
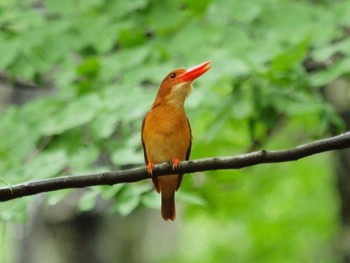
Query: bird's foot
[(150, 168), (175, 163)]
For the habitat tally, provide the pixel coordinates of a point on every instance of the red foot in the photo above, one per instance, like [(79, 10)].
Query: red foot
[(175, 163), (150, 168)]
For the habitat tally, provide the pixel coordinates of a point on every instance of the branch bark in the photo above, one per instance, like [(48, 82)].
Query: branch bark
[(137, 174)]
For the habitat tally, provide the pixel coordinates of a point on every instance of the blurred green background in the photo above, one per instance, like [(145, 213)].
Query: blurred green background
[(76, 79)]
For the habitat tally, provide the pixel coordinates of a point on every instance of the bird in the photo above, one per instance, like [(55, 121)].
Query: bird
[(166, 132)]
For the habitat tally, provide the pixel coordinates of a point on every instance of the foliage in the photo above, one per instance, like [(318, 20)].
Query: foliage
[(105, 60)]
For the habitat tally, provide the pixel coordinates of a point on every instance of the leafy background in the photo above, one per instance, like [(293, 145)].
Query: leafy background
[(99, 63)]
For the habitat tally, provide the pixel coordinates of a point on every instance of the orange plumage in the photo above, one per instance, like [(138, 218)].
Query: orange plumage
[(166, 132)]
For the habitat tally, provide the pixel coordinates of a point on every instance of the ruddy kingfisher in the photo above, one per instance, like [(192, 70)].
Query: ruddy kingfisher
[(166, 132)]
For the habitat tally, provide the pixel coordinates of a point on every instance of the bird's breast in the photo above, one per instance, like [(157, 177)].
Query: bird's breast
[(166, 135)]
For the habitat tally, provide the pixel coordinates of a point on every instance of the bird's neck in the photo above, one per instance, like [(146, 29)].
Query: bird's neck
[(176, 97), (170, 104)]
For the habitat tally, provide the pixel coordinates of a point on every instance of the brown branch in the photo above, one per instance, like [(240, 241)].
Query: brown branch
[(137, 174)]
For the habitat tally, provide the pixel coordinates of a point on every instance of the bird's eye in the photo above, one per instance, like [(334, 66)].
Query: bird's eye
[(173, 75)]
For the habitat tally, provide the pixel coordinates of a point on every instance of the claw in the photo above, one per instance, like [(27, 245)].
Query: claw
[(175, 163), (150, 168)]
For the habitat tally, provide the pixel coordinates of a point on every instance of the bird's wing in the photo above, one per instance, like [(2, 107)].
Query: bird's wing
[(188, 153), (143, 143), (154, 178)]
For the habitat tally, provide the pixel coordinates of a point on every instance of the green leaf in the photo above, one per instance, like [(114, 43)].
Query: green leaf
[(46, 165), (96, 34), (165, 22), (109, 192), (90, 67), (129, 197), (326, 52), (197, 6), (190, 198), (53, 198), (151, 200), (130, 36), (290, 57), (224, 12), (127, 200), (126, 156), (61, 6), (83, 157), (8, 53), (104, 125), (125, 60), (338, 69), (123, 8), (75, 114), (87, 201), (14, 211)]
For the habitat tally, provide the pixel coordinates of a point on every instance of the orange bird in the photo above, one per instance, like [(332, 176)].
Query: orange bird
[(166, 132)]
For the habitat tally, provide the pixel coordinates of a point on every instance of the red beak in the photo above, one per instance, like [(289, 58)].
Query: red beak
[(192, 73)]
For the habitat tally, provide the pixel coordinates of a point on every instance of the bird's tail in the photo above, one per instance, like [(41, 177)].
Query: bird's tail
[(168, 206)]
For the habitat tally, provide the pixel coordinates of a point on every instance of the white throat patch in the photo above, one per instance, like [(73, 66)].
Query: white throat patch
[(181, 91)]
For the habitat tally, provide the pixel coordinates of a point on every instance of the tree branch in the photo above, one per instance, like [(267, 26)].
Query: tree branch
[(137, 174)]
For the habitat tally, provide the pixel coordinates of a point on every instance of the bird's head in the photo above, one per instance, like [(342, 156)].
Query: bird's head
[(177, 85)]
